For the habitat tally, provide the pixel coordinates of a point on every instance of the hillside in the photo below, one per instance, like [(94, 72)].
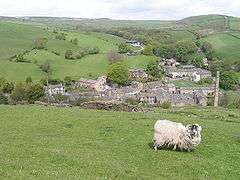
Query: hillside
[(67, 143), (18, 37)]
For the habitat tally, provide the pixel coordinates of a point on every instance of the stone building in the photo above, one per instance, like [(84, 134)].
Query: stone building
[(138, 74), (195, 74), (97, 85), (55, 89)]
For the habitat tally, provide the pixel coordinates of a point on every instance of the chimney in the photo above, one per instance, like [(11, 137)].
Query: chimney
[(216, 89)]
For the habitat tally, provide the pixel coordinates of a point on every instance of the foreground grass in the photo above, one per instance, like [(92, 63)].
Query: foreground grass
[(69, 143)]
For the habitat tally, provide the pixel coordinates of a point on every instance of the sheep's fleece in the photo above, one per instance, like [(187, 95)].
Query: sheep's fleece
[(176, 136)]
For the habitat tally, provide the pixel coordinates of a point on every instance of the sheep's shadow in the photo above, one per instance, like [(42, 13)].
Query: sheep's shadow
[(150, 145)]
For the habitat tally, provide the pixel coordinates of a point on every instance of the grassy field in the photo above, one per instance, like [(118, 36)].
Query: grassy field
[(70, 143), (18, 37), (226, 46)]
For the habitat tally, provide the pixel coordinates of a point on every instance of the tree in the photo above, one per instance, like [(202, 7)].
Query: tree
[(19, 93), (75, 41), (148, 50), (3, 99), (184, 48), (68, 81), (164, 51), (123, 48), (20, 58), (119, 74), (34, 92), (114, 57), (229, 80), (61, 36), (195, 59), (153, 69), (40, 43), (207, 49), (69, 54), (28, 80), (46, 67), (5, 86)]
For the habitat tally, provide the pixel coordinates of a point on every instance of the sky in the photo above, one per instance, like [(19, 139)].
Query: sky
[(119, 9)]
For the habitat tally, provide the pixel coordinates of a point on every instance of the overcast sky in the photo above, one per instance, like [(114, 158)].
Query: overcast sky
[(119, 9)]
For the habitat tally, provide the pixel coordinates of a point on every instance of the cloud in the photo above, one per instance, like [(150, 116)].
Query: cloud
[(121, 9)]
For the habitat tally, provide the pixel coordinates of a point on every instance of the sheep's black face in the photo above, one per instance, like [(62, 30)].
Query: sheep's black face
[(194, 129)]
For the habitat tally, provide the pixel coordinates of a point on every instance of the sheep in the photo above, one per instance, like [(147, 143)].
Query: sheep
[(176, 136)]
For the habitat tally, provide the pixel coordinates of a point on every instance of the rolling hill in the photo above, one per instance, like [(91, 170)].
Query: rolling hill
[(17, 35)]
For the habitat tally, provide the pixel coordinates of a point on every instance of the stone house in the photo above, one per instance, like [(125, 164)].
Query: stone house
[(195, 74), (55, 89), (191, 90), (138, 74), (170, 62), (161, 96), (123, 92), (97, 85)]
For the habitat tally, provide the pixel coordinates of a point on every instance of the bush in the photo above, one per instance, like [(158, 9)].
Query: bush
[(61, 36), (3, 99), (205, 81), (69, 55), (132, 101), (166, 105), (92, 50), (19, 93), (114, 57), (28, 80), (40, 43), (148, 50), (119, 74), (5, 86), (153, 69), (230, 99), (68, 81), (229, 80), (123, 48), (34, 92)]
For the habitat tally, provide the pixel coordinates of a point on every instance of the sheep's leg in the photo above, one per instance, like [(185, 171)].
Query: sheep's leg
[(175, 147)]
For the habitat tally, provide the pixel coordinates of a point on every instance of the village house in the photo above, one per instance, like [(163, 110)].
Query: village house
[(55, 89), (160, 96), (195, 74), (170, 62), (138, 74), (192, 90), (97, 85)]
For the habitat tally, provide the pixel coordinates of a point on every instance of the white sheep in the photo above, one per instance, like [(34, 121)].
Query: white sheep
[(176, 136)]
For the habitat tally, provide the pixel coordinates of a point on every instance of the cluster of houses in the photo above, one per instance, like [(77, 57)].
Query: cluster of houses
[(152, 93)]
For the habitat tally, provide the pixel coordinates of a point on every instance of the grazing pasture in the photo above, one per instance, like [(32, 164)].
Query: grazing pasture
[(70, 143)]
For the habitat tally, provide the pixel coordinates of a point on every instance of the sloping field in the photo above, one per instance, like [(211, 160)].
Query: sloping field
[(226, 46), (69, 143)]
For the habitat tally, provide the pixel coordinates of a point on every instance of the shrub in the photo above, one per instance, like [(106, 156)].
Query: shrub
[(61, 36), (34, 92), (19, 93), (119, 74), (40, 43), (123, 48), (5, 86), (114, 57), (132, 101), (3, 99), (148, 50), (229, 80), (92, 50), (69, 55), (153, 69), (28, 80), (166, 105)]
